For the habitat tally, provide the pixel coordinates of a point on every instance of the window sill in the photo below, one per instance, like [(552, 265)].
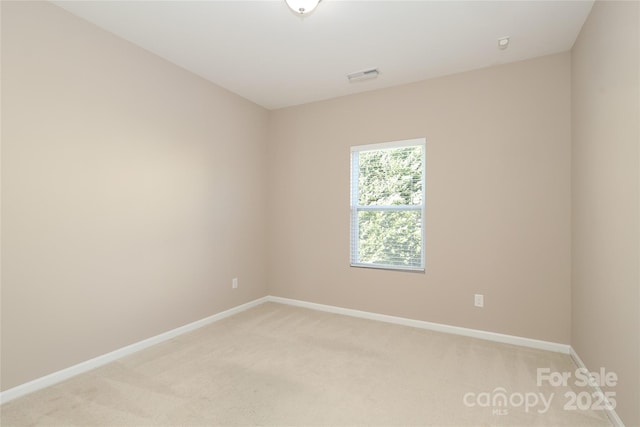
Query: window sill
[(390, 267)]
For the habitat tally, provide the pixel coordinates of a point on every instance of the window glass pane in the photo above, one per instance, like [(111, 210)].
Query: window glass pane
[(390, 238), (390, 177)]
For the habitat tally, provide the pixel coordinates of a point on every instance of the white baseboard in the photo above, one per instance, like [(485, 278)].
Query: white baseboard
[(439, 327), (96, 362), (611, 413), (88, 365)]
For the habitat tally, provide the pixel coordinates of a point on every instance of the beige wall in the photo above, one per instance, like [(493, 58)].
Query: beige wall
[(605, 180), (498, 199), (132, 193)]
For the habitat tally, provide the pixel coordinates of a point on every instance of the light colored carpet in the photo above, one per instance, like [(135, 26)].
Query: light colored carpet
[(281, 365)]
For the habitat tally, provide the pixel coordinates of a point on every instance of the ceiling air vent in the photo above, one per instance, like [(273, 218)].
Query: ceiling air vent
[(363, 75)]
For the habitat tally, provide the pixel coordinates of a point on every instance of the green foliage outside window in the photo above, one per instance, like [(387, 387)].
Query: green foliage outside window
[(389, 178)]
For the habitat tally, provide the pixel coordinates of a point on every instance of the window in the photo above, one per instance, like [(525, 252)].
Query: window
[(387, 205)]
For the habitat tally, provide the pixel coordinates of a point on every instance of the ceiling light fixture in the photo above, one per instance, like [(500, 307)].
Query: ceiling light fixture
[(503, 43), (363, 75), (302, 7)]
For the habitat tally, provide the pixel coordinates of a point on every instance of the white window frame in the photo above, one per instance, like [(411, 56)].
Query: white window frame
[(355, 208)]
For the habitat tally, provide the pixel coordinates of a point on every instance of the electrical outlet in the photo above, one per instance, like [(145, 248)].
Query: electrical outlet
[(478, 300), (234, 283)]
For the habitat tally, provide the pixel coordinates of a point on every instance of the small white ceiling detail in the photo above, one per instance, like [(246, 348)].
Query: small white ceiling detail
[(263, 52)]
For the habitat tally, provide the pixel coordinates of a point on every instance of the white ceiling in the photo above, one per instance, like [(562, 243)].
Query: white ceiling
[(263, 52)]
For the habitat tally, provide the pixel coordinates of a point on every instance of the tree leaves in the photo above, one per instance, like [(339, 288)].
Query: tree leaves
[(389, 178)]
